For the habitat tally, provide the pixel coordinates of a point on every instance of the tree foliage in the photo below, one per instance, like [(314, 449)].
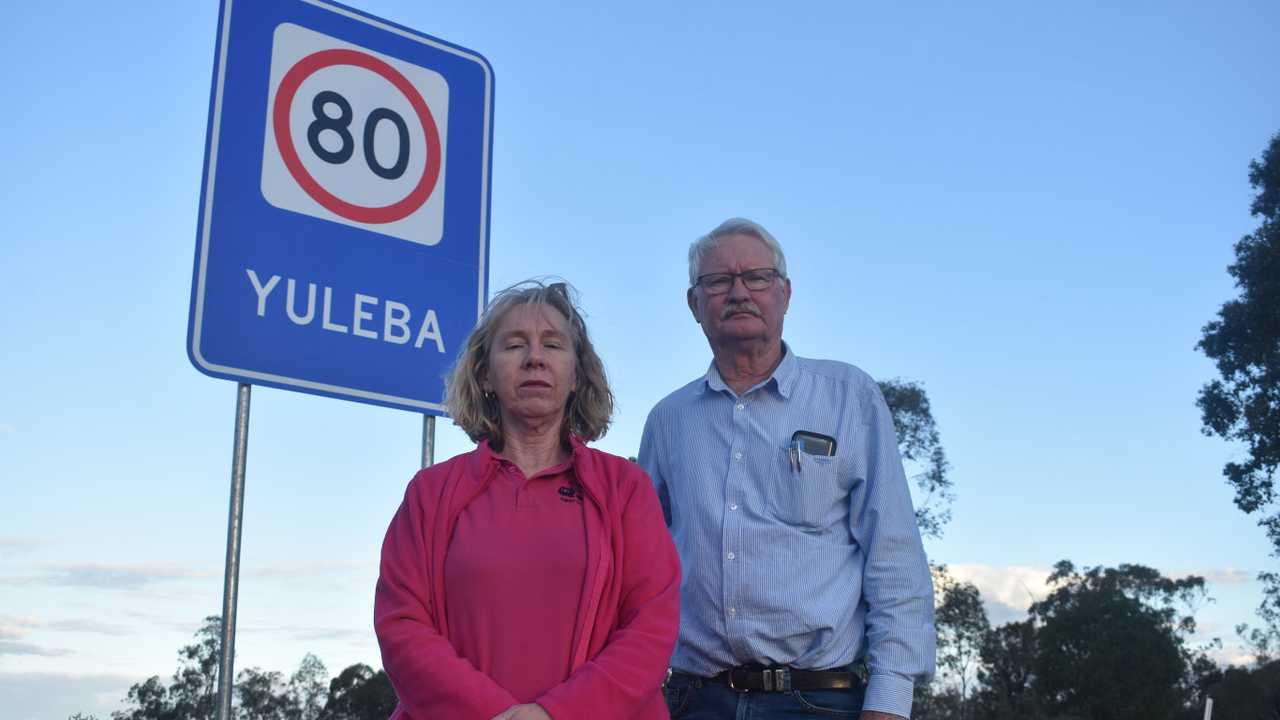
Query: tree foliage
[(1244, 693), (357, 693), (1111, 642), (1243, 404), (1104, 644), (921, 450), (962, 624), (193, 692), (307, 689), (1264, 641), (1008, 655), (260, 695)]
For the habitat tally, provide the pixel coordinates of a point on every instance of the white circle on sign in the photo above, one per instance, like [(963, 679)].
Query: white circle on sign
[(355, 137), (359, 92)]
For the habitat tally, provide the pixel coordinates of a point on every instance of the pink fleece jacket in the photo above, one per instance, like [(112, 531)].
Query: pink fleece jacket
[(628, 615)]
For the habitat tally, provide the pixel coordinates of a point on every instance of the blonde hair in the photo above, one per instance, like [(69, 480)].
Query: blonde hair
[(589, 408)]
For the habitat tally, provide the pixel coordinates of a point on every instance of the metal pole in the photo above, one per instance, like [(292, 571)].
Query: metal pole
[(231, 579), (428, 440), (1208, 709)]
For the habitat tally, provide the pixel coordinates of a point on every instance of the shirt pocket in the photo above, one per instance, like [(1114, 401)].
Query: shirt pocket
[(809, 497)]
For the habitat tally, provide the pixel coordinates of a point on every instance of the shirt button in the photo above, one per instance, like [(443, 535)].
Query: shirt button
[(737, 456), (730, 556), (733, 611), (741, 406), (734, 506)]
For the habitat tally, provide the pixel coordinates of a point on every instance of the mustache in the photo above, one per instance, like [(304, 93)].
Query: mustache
[(742, 307)]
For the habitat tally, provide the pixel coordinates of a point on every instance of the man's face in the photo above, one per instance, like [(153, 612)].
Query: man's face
[(740, 314)]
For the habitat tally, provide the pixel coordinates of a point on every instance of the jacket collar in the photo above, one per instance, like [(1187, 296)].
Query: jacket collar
[(484, 461)]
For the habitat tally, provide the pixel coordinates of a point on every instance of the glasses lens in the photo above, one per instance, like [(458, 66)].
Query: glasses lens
[(757, 279), (717, 283)]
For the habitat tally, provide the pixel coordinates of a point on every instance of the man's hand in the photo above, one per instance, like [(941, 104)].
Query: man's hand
[(873, 715), (530, 711)]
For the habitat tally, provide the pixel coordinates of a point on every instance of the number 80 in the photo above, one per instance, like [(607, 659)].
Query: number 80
[(340, 124)]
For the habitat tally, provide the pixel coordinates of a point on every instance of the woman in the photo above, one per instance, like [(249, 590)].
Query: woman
[(533, 577)]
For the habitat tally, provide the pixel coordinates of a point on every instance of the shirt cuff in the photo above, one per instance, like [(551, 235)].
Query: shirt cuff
[(889, 693)]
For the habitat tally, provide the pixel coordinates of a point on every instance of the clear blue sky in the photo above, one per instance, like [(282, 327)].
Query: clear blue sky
[(1027, 208)]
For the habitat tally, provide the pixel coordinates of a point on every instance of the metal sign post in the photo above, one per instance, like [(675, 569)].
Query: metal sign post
[(342, 244), (231, 576), (428, 440)]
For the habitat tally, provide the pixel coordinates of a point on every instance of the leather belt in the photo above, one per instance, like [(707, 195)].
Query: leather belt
[(754, 678)]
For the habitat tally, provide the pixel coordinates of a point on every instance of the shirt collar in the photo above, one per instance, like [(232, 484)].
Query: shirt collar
[(486, 457), (783, 379)]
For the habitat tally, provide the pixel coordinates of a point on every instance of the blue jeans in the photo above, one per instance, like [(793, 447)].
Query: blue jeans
[(693, 698)]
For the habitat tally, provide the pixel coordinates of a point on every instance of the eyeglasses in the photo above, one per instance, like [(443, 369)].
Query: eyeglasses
[(721, 283)]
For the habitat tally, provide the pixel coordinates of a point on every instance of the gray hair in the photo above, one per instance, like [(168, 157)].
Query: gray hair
[(590, 405), (733, 226)]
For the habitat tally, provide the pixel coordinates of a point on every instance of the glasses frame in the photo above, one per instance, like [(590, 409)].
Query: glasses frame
[(701, 281)]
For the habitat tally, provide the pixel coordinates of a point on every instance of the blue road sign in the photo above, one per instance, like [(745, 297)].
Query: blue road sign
[(342, 244)]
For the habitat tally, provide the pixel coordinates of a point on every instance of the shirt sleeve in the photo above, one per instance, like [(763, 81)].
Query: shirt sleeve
[(429, 677), (649, 459), (896, 585), (633, 663)]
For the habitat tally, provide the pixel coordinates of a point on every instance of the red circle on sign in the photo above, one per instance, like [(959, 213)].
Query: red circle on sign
[(289, 85)]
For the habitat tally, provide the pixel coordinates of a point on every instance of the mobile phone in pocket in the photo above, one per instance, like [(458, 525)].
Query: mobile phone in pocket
[(812, 443)]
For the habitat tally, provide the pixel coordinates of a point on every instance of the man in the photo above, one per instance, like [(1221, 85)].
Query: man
[(782, 485)]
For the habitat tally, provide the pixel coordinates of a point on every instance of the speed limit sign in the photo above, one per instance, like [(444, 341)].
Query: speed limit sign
[(354, 136), (342, 246)]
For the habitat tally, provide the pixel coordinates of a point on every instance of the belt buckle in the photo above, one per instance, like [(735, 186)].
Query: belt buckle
[(777, 679), (733, 687)]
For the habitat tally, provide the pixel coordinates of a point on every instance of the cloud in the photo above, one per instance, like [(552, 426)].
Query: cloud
[(13, 647), (304, 633), (16, 545), (1007, 591), (93, 627), (326, 568), (6, 428), (50, 695), (1222, 576), (117, 576), (1001, 614), (15, 628), (324, 634), (1208, 628), (1231, 655)]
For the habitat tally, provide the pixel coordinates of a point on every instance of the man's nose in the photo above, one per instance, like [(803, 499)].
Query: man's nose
[(738, 289)]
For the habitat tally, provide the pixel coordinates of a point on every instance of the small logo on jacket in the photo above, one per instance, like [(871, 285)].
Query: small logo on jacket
[(570, 493)]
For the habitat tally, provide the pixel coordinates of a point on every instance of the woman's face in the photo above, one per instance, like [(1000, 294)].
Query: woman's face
[(532, 365)]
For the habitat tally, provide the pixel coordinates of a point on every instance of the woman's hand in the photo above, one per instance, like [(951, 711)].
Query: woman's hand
[(531, 711)]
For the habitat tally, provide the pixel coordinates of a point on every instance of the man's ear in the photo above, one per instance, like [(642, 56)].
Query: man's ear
[(786, 295), (693, 305)]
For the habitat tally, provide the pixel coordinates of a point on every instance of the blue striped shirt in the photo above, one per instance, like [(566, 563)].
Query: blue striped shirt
[(813, 569)]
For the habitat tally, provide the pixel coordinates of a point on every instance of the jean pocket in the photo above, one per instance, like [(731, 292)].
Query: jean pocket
[(833, 703), (676, 693), (808, 497)]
